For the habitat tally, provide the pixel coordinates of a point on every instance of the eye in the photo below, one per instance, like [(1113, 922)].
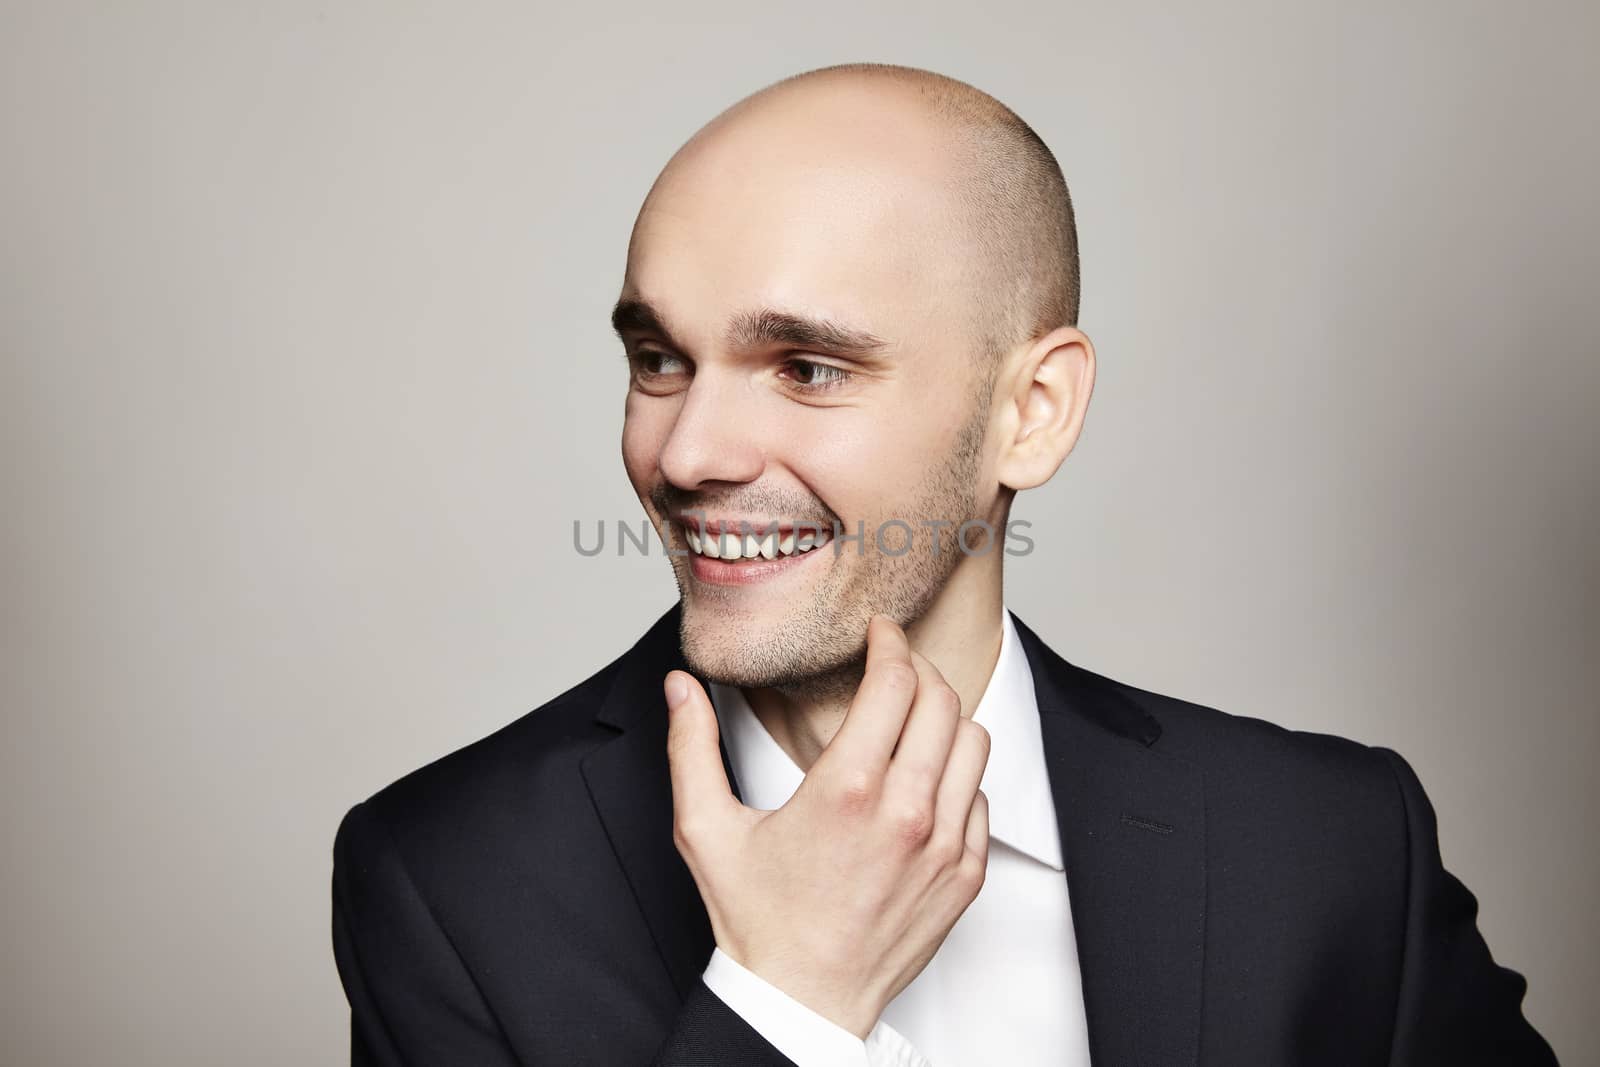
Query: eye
[(656, 371), (814, 376)]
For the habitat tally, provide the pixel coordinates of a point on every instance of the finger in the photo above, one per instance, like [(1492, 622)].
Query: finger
[(694, 758), (886, 641), (918, 762), (978, 827), (877, 712), (969, 755)]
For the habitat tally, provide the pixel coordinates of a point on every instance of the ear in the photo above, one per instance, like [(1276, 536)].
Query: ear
[(1047, 402)]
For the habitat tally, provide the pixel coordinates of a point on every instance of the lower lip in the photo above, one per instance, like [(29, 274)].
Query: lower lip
[(748, 571)]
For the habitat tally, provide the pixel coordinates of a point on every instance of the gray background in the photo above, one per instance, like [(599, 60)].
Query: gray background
[(307, 373)]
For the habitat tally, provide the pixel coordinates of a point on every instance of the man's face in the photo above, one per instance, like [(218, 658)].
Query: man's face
[(727, 421)]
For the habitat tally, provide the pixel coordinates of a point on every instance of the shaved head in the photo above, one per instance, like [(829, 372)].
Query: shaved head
[(1009, 217)]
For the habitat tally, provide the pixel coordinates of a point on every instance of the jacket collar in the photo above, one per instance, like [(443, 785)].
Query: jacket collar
[(1131, 823)]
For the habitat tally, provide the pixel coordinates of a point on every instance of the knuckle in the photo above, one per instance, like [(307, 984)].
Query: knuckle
[(946, 849), (678, 744), (857, 792), (897, 676), (976, 731), (912, 824), (922, 774), (686, 830), (945, 699)]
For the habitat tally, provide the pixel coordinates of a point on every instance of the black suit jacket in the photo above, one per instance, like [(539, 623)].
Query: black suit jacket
[(1241, 894)]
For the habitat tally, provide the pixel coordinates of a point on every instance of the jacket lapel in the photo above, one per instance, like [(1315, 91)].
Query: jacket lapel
[(1132, 825), (631, 785)]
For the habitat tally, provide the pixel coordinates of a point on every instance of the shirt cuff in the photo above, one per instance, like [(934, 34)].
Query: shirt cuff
[(888, 1047), (804, 1036)]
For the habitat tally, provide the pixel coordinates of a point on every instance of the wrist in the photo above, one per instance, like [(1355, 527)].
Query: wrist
[(831, 1000)]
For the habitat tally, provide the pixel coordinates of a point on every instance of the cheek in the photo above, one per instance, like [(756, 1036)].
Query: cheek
[(875, 463), (644, 431), (862, 464)]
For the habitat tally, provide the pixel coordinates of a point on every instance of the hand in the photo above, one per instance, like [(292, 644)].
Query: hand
[(841, 897)]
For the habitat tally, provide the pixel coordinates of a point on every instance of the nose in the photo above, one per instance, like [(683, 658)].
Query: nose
[(715, 437)]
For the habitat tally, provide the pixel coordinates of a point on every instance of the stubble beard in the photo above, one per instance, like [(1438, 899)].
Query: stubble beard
[(817, 652)]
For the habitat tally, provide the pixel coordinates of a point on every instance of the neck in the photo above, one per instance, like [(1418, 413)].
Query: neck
[(960, 634)]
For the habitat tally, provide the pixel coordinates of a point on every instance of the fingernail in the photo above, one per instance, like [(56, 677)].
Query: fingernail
[(677, 690)]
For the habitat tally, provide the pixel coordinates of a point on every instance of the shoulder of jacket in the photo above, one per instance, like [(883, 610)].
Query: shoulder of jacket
[(538, 751), (1228, 746)]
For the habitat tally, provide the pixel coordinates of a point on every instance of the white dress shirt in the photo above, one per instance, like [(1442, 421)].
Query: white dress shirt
[(1004, 987)]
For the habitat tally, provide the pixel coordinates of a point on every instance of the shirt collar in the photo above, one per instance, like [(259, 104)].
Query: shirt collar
[(1015, 780)]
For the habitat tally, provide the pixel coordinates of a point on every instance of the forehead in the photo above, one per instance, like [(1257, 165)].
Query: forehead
[(858, 238)]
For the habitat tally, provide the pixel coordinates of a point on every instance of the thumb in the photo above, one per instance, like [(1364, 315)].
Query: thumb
[(699, 782)]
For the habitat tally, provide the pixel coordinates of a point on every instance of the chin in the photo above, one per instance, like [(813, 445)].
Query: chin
[(725, 652), (753, 657)]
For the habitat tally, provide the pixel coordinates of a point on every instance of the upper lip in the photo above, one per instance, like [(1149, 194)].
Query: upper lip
[(755, 527)]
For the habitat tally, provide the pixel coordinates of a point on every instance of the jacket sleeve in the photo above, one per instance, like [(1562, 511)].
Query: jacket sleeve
[(708, 1032), (1456, 1005), (413, 1001)]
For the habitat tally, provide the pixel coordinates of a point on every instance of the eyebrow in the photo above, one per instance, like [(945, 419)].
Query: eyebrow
[(758, 327)]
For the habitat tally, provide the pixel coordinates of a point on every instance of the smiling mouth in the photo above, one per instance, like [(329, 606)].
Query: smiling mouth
[(732, 547)]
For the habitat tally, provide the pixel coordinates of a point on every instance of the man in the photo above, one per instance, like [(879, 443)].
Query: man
[(849, 317)]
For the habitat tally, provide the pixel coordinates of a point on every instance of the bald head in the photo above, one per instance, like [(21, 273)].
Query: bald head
[(1002, 221)]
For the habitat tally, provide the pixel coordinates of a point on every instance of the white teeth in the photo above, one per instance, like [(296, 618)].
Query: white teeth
[(727, 545)]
